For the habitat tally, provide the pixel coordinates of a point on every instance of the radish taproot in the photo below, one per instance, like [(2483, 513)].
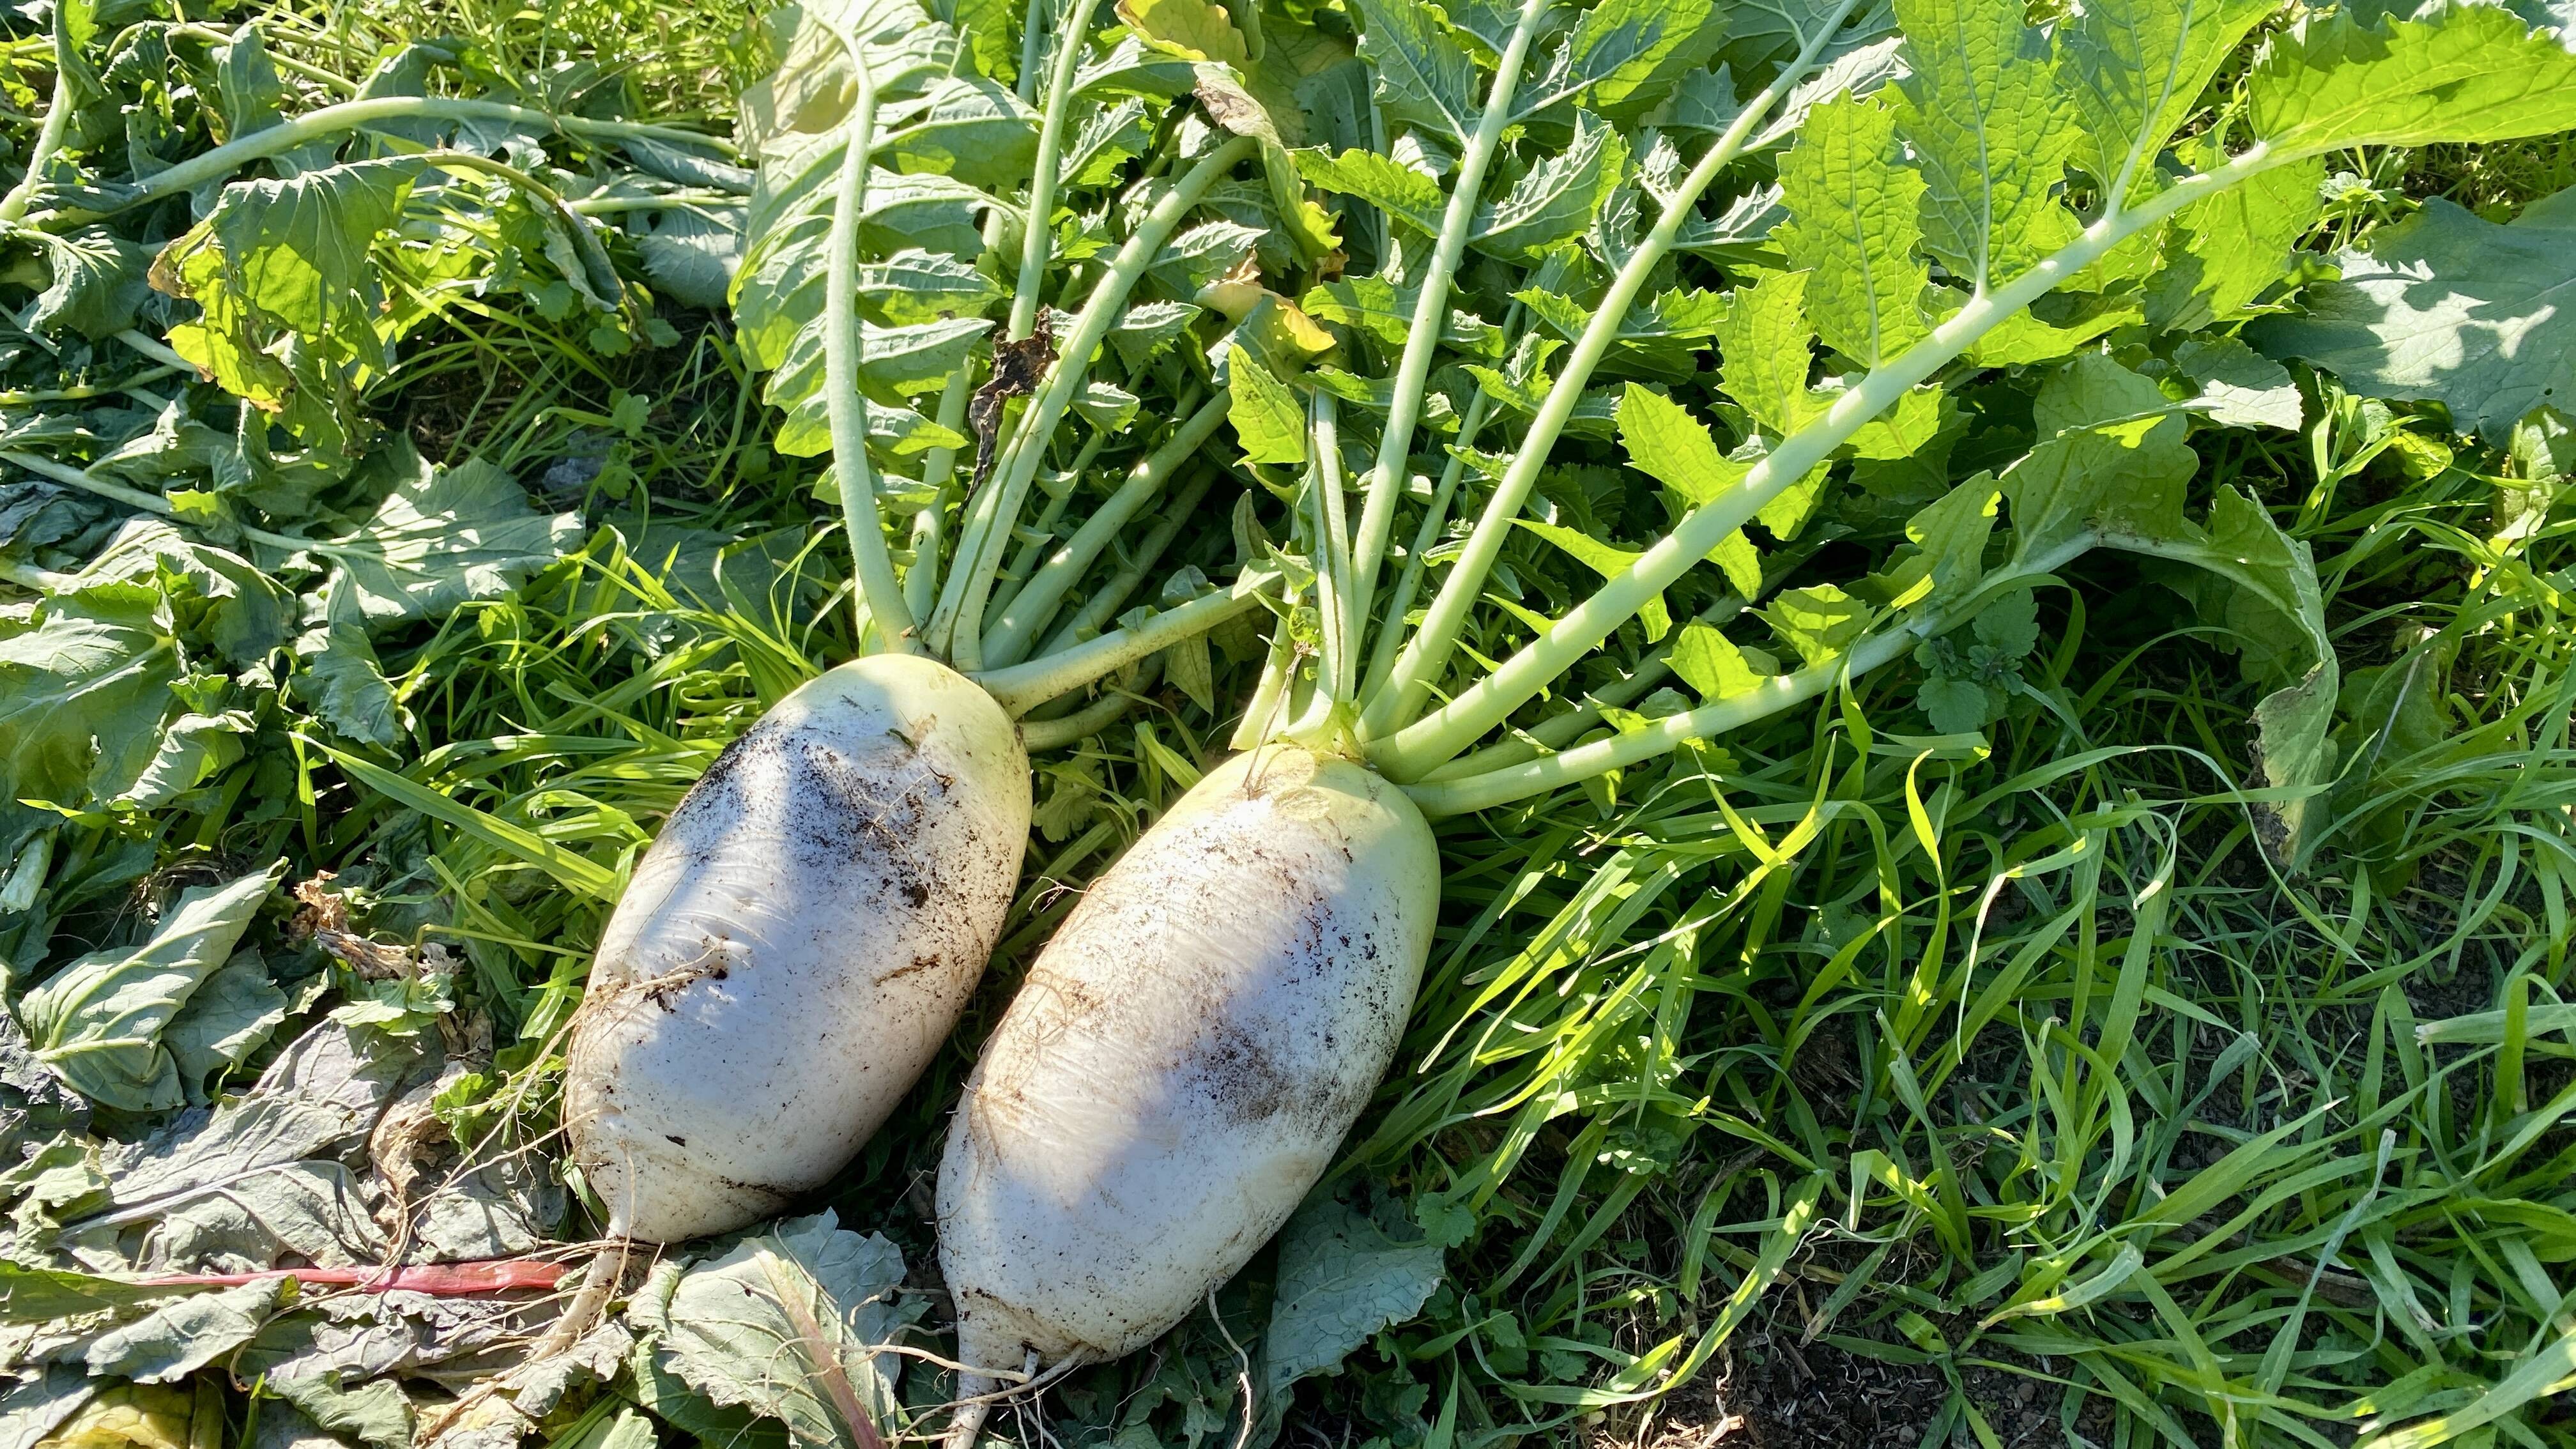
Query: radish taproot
[(1184, 1058), (792, 951)]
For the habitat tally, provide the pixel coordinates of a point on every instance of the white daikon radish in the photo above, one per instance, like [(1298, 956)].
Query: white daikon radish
[(1183, 1060), (795, 946)]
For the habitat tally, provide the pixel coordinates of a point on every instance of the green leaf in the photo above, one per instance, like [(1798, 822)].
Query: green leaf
[(2271, 603), (342, 683), (2009, 624), (1606, 559), (1990, 134), (1404, 194), (1267, 418), (1946, 544), (1147, 328), (1108, 137), (1424, 77), (1763, 346), (1342, 1279), (99, 281), (1820, 622), (290, 254), (2112, 463), (1657, 336), (1711, 665), (1761, 34), (193, 748), (2135, 69), (83, 694), (2217, 255), (178, 1335), (691, 257), (2240, 388), (1854, 224), (968, 127), (2447, 307), (1667, 444), (789, 1325), (1624, 52), (1384, 312), (256, 1180), (444, 537), (1955, 706), (232, 1015), (2463, 72), (98, 1021), (40, 1404), (1557, 199)]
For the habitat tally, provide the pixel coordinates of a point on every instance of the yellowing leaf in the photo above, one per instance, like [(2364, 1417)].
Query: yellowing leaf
[(1190, 29)]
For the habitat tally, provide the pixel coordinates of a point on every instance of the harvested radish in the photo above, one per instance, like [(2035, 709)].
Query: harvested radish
[(795, 946), (793, 949), (1184, 1058)]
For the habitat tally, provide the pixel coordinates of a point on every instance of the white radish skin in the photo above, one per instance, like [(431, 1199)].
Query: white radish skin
[(1183, 1060), (795, 946)]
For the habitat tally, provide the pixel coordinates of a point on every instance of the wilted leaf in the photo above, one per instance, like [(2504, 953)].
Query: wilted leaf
[(444, 537), (1342, 1278), (99, 1020), (789, 1325)]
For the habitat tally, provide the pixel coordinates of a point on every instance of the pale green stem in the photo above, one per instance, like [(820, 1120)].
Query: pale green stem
[(282, 61), (1428, 651), (981, 543), (1422, 746), (1024, 687), (1070, 43), (152, 503), (1269, 693), (1016, 574), (1559, 730), (1335, 596), (1104, 602), (921, 581), (49, 139), (845, 405), (1032, 35), (1430, 311), (348, 116), (1082, 724), (658, 201), (75, 394), (1408, 582), (1460, 794), (43, 581), (1035, 605), (158, 351)]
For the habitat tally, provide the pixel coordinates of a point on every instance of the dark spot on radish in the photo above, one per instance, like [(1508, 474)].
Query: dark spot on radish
[(919, 964), (675, 1139)]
